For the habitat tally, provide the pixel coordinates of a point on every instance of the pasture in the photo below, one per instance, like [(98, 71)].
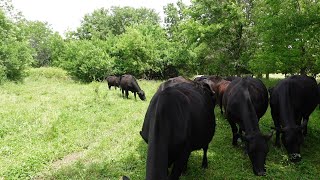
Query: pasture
[(53, 127)]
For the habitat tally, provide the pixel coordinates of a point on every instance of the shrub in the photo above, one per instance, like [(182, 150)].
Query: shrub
[(86, 61)]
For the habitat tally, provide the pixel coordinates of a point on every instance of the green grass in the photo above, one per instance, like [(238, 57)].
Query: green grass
[(54, 128)]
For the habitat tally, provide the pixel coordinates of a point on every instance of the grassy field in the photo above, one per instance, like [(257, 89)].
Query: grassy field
[(55, 128)]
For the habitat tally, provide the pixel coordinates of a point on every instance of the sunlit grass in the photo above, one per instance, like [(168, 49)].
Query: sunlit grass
[(54, 128)]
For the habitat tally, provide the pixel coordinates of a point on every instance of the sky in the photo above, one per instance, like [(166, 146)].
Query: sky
[(65, 15)]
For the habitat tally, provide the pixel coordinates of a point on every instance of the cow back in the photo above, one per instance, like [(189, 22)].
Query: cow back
[(239, 90)]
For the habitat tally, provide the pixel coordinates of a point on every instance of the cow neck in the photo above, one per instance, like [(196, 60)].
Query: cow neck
[(135, 85), (248, 114)]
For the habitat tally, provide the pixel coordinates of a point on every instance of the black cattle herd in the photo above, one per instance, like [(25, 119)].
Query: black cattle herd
[(180, 117)]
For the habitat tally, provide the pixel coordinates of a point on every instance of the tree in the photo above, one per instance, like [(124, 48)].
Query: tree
[(42, 40), (15, 54), (105, 22), (219, 31), (288, 34), (141, 51)]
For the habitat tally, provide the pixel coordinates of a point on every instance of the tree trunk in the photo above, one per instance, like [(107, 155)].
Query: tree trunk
[(267, 76)]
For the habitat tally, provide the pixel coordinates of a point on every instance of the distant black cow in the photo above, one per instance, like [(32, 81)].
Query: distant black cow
[(129, 83), (113, 81), (245, 102), (293, 100), (179, 119)]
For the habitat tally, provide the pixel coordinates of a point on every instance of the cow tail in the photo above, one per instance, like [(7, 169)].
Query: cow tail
[(157, 159)]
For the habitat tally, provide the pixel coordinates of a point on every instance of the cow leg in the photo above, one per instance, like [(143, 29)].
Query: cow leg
[(305, 130), (220, 104), (277, 142), (127, 94), (179, 164), (240, 133), (135, 97), (205, 158), (109, 87), (234, 133), (277, 127), (122, 92)]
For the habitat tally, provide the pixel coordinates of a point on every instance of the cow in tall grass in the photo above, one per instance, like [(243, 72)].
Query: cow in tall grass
[(129, 83), (245, 102)]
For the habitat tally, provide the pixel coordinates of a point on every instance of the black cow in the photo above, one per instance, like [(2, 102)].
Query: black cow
[(129, 83), (293, 100), (245, 101), (179, 119), (173, 81), (113, 81)]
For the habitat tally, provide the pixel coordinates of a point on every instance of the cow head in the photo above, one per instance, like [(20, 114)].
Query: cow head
[(257, 148), (142, 95), (292, 139)]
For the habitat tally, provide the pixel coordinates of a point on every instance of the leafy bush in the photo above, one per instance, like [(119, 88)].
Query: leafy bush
[(15, 55), (48, 72), (86, 61)]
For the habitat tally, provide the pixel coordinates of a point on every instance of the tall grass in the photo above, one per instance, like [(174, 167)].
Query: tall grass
[(54, 128)]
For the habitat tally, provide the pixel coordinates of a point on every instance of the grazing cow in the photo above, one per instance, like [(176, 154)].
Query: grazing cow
[(173, 81), (293, 100), (113, 81), (179, 119), (245, 102), (129, 83)]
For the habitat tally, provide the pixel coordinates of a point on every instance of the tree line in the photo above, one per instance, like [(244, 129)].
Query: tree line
[(221, 37)]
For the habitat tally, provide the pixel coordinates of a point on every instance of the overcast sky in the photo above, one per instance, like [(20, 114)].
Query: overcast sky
[(66, 14)]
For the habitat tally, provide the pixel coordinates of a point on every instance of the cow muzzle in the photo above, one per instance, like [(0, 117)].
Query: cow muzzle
[(261, 173), (295, 157)]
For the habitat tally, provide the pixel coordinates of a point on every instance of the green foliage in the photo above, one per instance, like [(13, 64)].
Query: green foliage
[(15, 54), (48, 72), (102, 22), (141, 51), (86, 60), (288, 31), (47, 45)]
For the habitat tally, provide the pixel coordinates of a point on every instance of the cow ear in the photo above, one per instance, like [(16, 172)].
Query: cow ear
[(206, 83)]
